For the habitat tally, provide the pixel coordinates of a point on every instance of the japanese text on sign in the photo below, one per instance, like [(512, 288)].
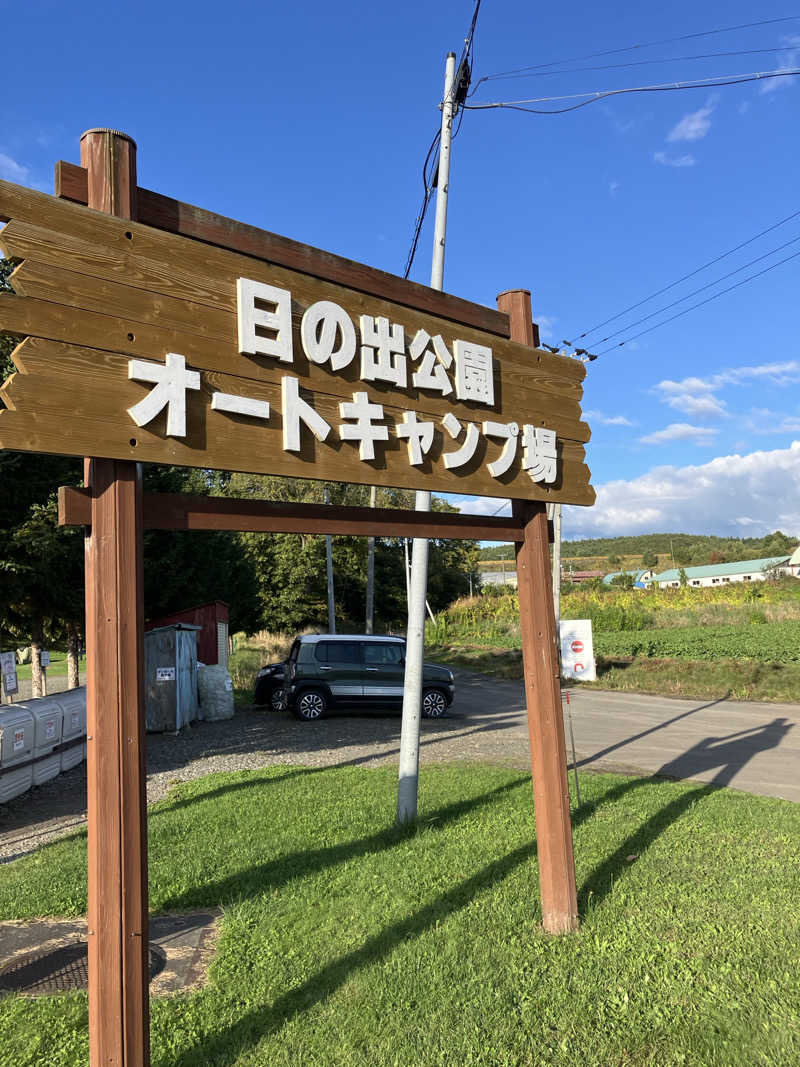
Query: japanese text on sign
[(328, 336)]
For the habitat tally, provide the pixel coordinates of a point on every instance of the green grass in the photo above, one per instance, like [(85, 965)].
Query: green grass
[(58, 666), (347, 942)]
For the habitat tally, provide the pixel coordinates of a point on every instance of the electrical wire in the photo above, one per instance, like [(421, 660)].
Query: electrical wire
[(603, 94), (684, 278), (635, 47), (700, 303), (650, 62), (428, 187), (430, 174), (694, 292)]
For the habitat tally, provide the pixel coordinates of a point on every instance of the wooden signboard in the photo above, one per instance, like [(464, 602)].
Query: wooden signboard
[(155, 331), (171, 350)]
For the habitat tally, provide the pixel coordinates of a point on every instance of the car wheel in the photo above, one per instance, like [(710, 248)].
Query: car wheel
[(310, 705), (434, 704), (276, 699)]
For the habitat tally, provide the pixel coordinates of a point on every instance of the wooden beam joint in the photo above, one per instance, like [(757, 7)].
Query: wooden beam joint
[(180, 511)]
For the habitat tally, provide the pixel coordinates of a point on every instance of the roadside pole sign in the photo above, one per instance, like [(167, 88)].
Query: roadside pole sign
[(44, 659), (577, 650), (8, 669)]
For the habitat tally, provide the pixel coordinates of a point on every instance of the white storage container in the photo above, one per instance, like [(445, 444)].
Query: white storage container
[(73, 705), (48, 718), (17, 732), (216, 693)]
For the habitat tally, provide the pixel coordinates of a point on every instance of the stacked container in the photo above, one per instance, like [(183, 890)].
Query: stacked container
[(73, 705), (17, 732), (48, 718)]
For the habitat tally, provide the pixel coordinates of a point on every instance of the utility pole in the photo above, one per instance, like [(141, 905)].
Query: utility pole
[(329, 563), (373, 495), (415, 632)]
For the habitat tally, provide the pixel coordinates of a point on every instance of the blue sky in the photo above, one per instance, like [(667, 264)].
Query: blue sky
[(313, 120)]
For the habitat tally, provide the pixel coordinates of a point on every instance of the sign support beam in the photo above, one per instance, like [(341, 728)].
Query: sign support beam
[(543, 688), (119, 1015)]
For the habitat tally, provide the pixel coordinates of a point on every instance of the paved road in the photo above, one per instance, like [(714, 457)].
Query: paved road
[(750, 746)]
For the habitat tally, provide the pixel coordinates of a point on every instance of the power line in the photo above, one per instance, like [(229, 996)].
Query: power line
[(430, 168), (635, 47), (694, 292), (650, 62), (684, 278), (700, 303), (594, 97)]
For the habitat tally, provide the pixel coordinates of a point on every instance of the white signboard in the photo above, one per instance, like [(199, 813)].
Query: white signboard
[(165, 674), (8, 669), (577, 650), (44, 658)]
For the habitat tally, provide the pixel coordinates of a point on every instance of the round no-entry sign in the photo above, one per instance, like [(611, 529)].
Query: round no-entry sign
[(577, 646)]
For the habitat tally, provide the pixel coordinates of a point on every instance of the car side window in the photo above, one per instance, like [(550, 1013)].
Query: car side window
[(377, 653), (344, 652)]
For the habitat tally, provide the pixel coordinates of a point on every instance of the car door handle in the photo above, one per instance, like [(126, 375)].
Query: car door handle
[(373, 668), (323, 668)]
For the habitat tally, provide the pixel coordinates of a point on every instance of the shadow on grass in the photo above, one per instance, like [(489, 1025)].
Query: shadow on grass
[(226, 1045), (278, 872), (727, 754)]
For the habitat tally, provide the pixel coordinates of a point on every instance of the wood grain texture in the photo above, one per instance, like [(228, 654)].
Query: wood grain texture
[(173, 216), (173, 286), (177, 511), (542, 675), (88, 394), (119, 1006)]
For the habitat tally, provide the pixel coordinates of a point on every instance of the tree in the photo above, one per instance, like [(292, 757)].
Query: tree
[(614, 560), (650, 561), (623, 581)]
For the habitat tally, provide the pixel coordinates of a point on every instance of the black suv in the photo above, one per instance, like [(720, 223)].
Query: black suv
[(330, 670)]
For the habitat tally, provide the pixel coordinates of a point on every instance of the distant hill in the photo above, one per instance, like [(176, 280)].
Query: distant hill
[(687, 549)]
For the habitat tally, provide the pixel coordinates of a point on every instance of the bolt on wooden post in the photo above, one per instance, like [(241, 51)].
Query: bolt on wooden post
[(543, 686), (118, 928)]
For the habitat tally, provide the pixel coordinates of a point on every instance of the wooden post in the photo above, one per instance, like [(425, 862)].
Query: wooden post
[(543, 686), (119, 1015)]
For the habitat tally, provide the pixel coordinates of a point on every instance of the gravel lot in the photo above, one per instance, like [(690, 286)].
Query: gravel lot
[(253, 739)]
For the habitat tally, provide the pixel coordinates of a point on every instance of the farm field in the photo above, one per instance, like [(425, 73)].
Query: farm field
[(345, 940), (740, 641)]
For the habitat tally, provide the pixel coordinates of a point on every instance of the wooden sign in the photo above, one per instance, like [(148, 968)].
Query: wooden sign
[(148, 346)]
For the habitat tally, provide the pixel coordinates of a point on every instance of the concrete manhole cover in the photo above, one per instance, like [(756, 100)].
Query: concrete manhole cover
[(59, 970)]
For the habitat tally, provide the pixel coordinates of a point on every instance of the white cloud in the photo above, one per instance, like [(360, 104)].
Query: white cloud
[(607, 420), (687, 160), (733, 495), (787, 61), (680, 431), (10, 170), (694, 126), (612, 187), (696, 396)]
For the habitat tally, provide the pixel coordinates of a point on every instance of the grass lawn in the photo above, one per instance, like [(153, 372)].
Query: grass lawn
[(58, 666), (345, 941)]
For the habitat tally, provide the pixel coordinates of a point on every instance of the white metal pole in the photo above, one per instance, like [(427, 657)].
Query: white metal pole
[(415, 632), (329, 563)]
